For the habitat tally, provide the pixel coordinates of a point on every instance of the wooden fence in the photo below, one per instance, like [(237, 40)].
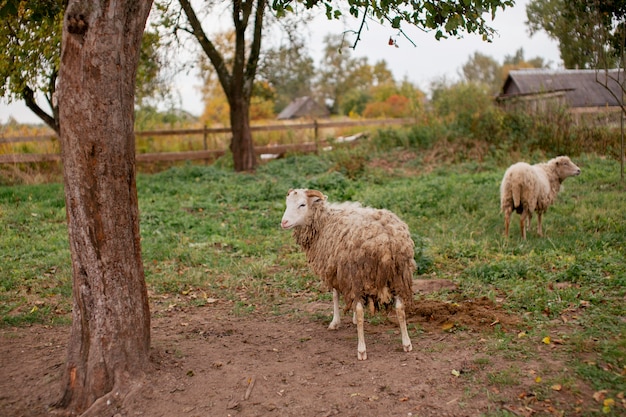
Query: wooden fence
[(206, 153)]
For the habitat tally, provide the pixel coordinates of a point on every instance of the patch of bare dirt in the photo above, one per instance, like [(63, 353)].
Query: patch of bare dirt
[(207, 362)]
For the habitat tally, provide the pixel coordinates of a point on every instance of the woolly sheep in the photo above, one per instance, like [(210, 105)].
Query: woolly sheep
[(527, 188), (362, 253)]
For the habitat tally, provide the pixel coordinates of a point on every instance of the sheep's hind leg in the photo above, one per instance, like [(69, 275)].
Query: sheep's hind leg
[(507, 220), (522, 224), (334, 324), (539, 231), (406, 341), (361, 353)]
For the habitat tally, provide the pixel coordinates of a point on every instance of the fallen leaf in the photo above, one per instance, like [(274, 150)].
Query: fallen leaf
[(521, 334), (538, 379), (455, 372), (546, 340), (599, 395), (556, 387), (447, 326)]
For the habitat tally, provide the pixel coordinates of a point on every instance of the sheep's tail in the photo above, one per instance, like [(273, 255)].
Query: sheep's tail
[(516, 194)]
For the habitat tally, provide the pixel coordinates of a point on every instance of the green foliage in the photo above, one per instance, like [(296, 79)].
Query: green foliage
[(30, 38), (590, 33), (461, 105), (446, 18)]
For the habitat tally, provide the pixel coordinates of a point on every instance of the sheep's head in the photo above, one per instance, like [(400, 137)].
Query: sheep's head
[(299, 202), (565, 167)]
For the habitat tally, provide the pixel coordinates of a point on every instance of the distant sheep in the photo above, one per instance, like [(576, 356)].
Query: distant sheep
[(364, 254), (527, 188)]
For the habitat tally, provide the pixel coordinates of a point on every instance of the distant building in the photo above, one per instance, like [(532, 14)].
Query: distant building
[(579, 90), (303, 107)]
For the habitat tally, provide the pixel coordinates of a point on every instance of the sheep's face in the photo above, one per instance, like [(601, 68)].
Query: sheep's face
[(298, 204), (565, 167)]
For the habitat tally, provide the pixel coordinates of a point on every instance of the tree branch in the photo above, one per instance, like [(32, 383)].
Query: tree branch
[(207, 46), (29, 98), (255, 48)]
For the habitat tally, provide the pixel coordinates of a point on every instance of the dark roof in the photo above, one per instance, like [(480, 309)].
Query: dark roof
[(303, 107), (580, 86)]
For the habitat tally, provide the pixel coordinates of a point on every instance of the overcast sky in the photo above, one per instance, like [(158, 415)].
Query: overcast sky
[(428, 61)]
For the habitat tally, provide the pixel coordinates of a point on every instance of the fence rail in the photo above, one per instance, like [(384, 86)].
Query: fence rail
[(207, 154)]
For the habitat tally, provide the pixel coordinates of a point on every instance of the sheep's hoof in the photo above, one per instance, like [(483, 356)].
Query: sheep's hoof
[(333, 325), (408, 348), (361, 355)]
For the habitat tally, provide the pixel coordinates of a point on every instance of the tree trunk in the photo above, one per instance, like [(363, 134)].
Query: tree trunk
[(110, 336), (241, 145)]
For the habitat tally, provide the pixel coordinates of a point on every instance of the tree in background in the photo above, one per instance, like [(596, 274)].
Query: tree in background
[(236, 77), (591, 35), (30, 38), (216, 105), (290, 72), (340, 73), (584, 29), (109, 346), (483, 69)]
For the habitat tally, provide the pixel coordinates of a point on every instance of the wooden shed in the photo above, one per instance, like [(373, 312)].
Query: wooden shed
[(582, 91), (303, 107)]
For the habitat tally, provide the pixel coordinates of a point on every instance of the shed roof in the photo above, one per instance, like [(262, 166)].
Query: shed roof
[(580, 86), (303, 106)]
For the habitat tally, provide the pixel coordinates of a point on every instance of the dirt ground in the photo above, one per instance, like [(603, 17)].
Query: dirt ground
[(208, 362)]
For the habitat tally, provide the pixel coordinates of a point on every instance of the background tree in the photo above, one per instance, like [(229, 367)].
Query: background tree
[(340, 73), (569, 22), (30, 37), (289, 70), (591, 34), (216, 106), (483, 69), (236, 79), (108, 350)]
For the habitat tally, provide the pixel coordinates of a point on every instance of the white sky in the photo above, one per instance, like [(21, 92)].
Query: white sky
[(430, 60)]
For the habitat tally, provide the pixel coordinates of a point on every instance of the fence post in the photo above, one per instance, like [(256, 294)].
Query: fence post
[(315, 136), (204, 140)]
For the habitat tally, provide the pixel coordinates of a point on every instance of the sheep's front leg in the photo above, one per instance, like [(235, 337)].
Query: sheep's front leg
[(334, 324), (361, 354), (539, 231), (406, 341)]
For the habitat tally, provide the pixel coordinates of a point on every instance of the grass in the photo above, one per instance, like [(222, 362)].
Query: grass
[(208, 233)]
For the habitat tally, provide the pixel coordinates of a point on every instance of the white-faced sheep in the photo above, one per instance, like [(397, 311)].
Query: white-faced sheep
[(362, 253), (527, 188)]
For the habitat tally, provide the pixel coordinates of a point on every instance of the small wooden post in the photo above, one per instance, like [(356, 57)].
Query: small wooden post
[(204, 140), (316, 135)]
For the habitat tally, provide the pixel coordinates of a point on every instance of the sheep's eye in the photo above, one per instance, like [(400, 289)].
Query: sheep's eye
[(301, 205)]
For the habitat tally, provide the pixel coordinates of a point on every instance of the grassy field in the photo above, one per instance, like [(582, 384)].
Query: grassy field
[(210, 233)]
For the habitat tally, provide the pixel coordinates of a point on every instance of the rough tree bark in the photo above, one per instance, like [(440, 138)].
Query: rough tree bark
[(110, 336)]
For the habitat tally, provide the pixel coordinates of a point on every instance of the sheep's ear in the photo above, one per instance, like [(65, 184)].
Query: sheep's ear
[(315, 194)]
